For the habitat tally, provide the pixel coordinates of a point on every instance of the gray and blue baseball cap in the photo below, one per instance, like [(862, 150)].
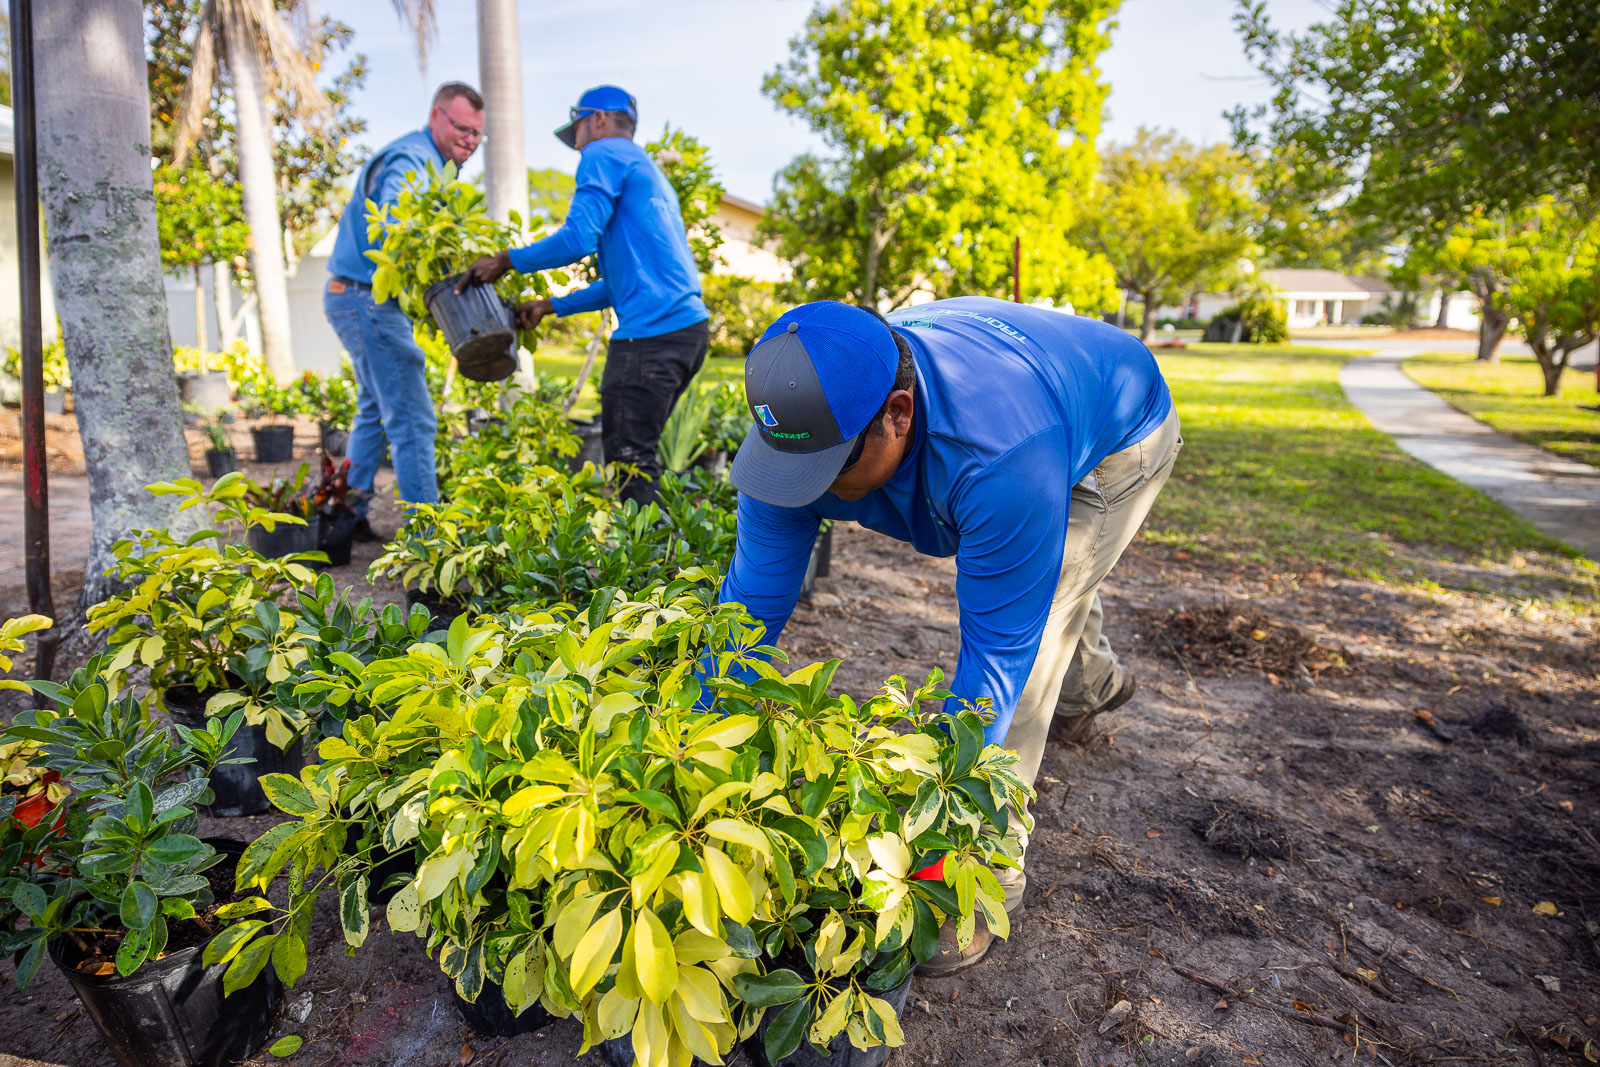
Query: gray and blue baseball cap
[(813, 382), (600, 98)]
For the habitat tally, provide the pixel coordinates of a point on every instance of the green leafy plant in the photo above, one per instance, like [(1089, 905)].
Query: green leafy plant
[(216, 430), (741, 310), (202, 611), (125, 863), (339, 400), (684, 438)]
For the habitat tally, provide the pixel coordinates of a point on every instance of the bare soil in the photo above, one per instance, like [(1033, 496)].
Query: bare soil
[(1370, 834)]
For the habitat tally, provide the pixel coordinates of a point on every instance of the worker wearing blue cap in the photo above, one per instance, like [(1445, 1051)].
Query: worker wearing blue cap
[(624, 209), (1027, 443)]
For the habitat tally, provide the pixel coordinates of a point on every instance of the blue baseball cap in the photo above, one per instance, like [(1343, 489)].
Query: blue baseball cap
[(813, 382), (600, 98)]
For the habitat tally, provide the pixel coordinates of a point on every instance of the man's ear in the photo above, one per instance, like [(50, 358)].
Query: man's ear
[(901, 406)]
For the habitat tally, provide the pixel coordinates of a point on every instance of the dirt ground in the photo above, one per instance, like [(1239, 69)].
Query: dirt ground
[(1339, 821)]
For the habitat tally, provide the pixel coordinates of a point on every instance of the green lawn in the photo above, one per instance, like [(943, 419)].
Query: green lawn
[(1509, 396), (1279, 470), (567, 362)]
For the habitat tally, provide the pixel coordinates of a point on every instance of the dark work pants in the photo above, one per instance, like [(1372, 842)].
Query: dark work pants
[(643, 379)]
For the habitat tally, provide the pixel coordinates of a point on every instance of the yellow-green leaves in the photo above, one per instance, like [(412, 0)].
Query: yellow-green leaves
[(738, 903), (654, 960), (594, 950)]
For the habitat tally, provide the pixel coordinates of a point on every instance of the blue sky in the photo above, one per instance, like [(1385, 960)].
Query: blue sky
[(699, 64)]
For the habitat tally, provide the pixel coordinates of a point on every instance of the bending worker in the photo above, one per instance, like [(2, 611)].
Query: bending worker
[(623, 208), (1028, 443), (392, 398)]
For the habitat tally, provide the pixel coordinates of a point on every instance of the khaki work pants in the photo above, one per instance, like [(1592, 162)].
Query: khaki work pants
[(1075, 670)]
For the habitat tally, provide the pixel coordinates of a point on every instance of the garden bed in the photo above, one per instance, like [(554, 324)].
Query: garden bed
[(1320, 848)]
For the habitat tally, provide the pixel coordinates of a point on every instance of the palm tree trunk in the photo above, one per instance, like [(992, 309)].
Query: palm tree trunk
[(505, 170), (200, 315), (222, 298), (105, 265), (260, 194)]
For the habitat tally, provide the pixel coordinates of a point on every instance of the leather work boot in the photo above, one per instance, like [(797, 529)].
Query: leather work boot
[(952, 960), (1075, 729)]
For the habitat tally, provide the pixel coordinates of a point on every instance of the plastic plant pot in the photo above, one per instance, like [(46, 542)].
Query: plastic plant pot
[(824, 553), (618, 1052), (236, 787), (335, 442), (171, 1012), (207, 391), (55, 402), (274, 444), (386, 864), (443, 609), (32, 808), (490, 1016), (840, 1052), (479, 327), (335, 535), (220, 461), (715, 462), (591, 449), (284, 540)]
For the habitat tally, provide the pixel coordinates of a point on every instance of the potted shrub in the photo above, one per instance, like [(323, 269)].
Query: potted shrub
[(219, 452), (338, 412), (263, 398), (29, 791), (336, 520), (431, 234), (683, 438), (126, 899), (294, 531), (202, 615)]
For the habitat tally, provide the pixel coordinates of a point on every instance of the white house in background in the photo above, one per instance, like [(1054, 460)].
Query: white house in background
[(741, 253), (10, 282), (1328, 298)]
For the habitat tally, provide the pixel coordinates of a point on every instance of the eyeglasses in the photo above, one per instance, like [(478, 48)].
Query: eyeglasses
[(467, 131), (855, 453)]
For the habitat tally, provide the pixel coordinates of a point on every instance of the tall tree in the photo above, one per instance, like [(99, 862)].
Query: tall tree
[(505, 168), (687, 164), (1555, 285), (105, 263), (953, 128), (251, 39), (1172, 219), (1430, 110), (550, 194), (200, 221)]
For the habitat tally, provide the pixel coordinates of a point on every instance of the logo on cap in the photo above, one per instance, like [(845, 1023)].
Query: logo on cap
[(764, 413)]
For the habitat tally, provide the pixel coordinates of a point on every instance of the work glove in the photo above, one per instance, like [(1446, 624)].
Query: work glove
[(485, 270)]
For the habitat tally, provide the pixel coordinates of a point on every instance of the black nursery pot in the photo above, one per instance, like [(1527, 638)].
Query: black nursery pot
[(335, 534), (591, 449), (220, 461), (443, 609), (385, 864), (171, 1012), (715, 462), (335, 442), (286, 539), (490, 1016), (479, 327), (840, 1052), (618, 1052), (274, 444), (236, 787)]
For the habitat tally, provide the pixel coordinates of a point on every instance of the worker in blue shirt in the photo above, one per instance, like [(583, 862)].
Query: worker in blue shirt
[(1027, 443), (392, 398), (624, 209)]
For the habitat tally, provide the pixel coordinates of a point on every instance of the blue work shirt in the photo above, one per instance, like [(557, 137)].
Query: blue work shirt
[(1014, 406), (624, 208), (380, 181)]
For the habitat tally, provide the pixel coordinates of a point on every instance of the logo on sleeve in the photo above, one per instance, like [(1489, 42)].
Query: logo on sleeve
[(764, 413)]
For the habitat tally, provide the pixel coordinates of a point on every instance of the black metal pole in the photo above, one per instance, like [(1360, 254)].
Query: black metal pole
[(36, 507)]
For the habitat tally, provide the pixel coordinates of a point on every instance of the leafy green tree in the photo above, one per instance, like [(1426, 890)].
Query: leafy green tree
[(1426, 112), (1171, 218), (200, 220), (687, 164), (550, 194), (954, 128), (1555, 287)]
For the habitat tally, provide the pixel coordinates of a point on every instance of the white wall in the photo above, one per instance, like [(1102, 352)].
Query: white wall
[(311, 339)]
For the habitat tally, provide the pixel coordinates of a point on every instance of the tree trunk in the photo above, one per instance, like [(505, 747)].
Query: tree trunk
[(105, 266), (222, 298), (505, 169), (260, 194), (1147, 325), (1492, 323), (1553, 366), (869, 279), (1444, 310)]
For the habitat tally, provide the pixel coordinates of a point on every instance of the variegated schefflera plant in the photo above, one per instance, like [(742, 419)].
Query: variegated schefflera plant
[(662, 843)]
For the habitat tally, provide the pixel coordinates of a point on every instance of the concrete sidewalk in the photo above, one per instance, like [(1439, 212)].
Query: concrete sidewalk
[(70, 524), (1560, 496)]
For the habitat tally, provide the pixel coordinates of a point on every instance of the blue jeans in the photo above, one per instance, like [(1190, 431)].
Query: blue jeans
[(392, 398)]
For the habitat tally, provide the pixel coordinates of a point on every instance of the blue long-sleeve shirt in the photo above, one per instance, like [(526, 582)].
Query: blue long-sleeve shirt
[(624, 209), (1014, 406), (380, 180)]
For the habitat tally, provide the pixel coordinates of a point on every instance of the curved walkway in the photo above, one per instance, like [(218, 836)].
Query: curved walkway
[(1560, 496)]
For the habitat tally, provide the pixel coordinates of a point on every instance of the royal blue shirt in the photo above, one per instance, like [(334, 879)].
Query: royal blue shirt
[(1014, 406), (624, 209), (380, 181)]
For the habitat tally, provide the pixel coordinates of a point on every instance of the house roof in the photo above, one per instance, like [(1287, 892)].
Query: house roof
[(1299, 280), (742, 204)]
